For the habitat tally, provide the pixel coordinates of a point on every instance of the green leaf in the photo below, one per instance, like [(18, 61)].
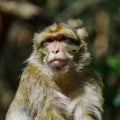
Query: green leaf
[(114, 63), (116, 101)]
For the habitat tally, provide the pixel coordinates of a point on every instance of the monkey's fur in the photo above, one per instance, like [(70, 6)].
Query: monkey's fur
[(63, 88)]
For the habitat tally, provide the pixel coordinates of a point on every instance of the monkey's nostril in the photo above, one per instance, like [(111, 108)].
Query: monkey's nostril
[(55, 51)]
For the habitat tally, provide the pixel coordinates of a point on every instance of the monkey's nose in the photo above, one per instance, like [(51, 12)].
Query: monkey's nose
[(55, 51)]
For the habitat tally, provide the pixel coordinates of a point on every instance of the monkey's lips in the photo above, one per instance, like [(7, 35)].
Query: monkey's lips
[(58, 63)]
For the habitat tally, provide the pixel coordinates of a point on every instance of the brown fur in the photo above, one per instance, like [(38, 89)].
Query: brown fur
[(70, 92)]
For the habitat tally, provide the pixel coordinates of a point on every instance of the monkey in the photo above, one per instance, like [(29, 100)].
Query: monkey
[(58, 82)]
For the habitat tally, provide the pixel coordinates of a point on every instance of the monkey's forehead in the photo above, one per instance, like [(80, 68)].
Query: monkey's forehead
[(57, 29)]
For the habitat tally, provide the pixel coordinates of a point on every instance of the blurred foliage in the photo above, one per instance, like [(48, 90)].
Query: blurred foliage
[(117, 100), (114, 64), (20, 19)]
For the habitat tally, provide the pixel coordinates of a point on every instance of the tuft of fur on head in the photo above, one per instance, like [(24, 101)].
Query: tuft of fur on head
[(82, 33)]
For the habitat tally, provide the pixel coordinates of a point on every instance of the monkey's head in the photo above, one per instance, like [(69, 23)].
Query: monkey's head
[(59, 46)]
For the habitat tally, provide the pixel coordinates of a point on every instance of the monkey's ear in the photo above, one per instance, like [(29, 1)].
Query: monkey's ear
[(36, 40), (82, 33), (35, 37)]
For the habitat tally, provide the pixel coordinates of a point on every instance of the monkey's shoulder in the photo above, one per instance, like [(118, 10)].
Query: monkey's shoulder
[(32, 71)]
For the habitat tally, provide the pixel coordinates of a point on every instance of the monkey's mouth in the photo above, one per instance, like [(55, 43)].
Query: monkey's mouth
[(58, 64)]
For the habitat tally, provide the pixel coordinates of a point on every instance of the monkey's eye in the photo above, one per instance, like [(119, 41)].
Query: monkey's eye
[(46, 42), (68, 40), (62, 38), (49, 40), (72, 41)]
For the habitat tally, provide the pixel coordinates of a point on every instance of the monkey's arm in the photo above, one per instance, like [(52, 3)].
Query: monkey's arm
[(52, 115), (17, 110), (89, 106)]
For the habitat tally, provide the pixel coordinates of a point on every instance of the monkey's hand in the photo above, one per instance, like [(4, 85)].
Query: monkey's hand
[(52, 115), (89, 106), (56, 116)]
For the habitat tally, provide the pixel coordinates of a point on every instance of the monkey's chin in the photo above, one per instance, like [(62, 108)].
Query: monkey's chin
[(58, 64)]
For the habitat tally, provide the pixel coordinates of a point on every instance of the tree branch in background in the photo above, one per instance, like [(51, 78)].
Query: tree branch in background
[(24, 10)]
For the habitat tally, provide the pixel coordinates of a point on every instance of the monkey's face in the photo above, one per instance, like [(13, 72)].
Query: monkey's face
[(57, 46), (60, 50)]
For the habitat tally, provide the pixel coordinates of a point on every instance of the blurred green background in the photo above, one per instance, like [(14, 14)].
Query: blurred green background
[(20, 19)]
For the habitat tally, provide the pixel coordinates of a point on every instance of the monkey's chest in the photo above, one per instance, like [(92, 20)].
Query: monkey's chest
[(50, 102)]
